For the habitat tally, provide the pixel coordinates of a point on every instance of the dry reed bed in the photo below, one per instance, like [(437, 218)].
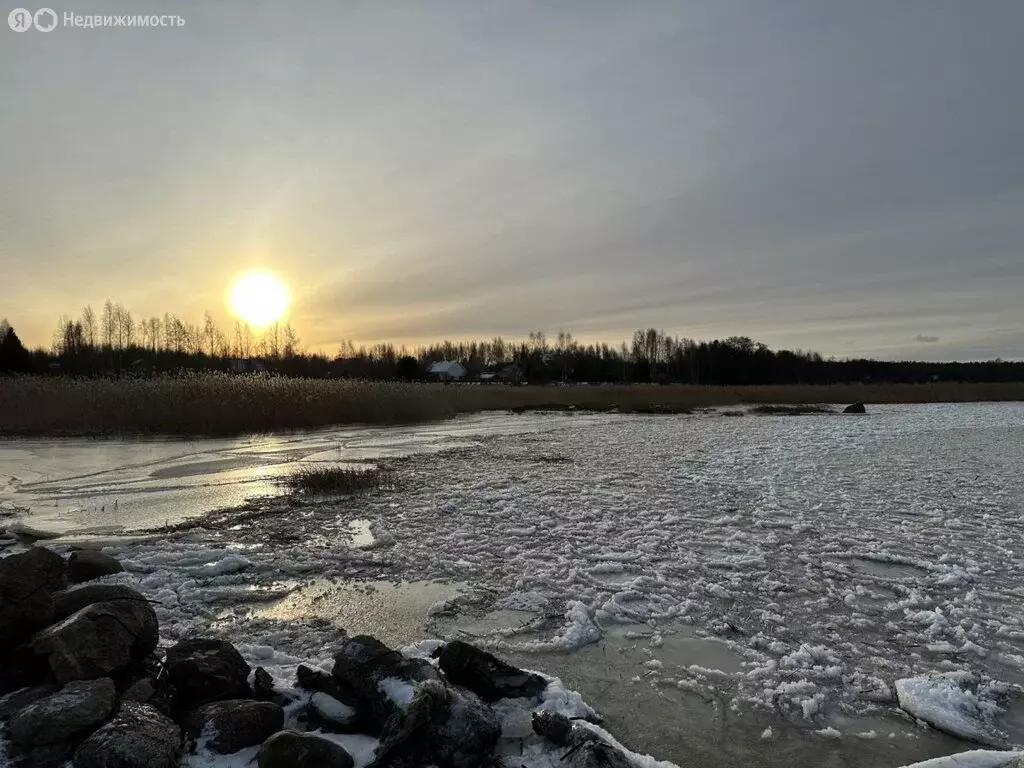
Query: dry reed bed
[(219, 404)]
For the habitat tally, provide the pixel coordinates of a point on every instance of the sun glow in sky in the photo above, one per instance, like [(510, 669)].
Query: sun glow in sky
[(259, 299), (518, 166)]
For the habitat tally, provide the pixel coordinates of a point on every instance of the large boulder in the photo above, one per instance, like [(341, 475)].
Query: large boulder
[(855, 408), (88, 564), (440, 727), (225, 727), (100, 640), (203, 670), (75, 599), (138, 737), (21, 698), (27, 583), (383, 680), (291, 749), (75, 710), (487, 676)]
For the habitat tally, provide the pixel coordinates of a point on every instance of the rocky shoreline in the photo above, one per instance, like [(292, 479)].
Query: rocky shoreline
[(84, 681)]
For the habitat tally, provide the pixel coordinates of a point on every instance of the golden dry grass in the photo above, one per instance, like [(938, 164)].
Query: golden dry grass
[(219, 404)]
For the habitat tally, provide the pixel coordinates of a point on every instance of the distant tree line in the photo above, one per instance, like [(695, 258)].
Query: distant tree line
[(115, 343), (654, 356)]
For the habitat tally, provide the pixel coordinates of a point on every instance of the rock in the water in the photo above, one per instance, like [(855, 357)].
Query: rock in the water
[(585, 748), (383, 680), (855, 408), (73, 711), (137, 737), (487, 676), (552, 726), (440, 727), (71, 600), (228, 726), (262, 685), (88, 564), (291, 749), (204, 670), (101, 640), (27, 583)]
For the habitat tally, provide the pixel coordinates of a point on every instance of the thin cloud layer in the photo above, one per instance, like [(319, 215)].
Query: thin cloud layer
[(827, 177)]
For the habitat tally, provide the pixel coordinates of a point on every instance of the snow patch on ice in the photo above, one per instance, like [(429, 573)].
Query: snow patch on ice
[(947, 705)]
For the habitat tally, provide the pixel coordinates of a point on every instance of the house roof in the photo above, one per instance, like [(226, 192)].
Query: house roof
[(446, 366)]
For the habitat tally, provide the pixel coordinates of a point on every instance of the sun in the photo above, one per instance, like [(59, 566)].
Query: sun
[(259, 299)]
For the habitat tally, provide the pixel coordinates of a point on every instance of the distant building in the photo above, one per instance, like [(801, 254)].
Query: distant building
[(246, 365), (504, 374), (447, 370)]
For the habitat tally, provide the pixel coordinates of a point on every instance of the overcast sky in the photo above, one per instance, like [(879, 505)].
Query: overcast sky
[(840, 175)]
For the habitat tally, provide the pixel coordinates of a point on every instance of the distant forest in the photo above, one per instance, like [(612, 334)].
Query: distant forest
[(113, 343)]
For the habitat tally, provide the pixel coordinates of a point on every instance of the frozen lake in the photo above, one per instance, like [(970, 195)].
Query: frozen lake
[(725, 590), (86, 486)]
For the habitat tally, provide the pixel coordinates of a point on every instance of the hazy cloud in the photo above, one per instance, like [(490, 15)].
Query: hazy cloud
[(465, 169)]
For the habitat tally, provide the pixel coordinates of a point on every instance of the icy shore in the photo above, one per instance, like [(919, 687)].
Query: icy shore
[(829, 556)]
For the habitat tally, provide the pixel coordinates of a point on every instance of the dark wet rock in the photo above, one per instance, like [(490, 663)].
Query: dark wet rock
[(591, 751), (228, 726), (382, 680), (487, 676), (440, 727), (71, 600), (21, 668), (263, 685), (40, 755), (855, 408), (138, 737), (204, 670), (552, 726), (27, 583), (88, 564), (584, 748), (101, 640), (149, 690), (142, 691), (75, 710), (21, 698), (291, 749)]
